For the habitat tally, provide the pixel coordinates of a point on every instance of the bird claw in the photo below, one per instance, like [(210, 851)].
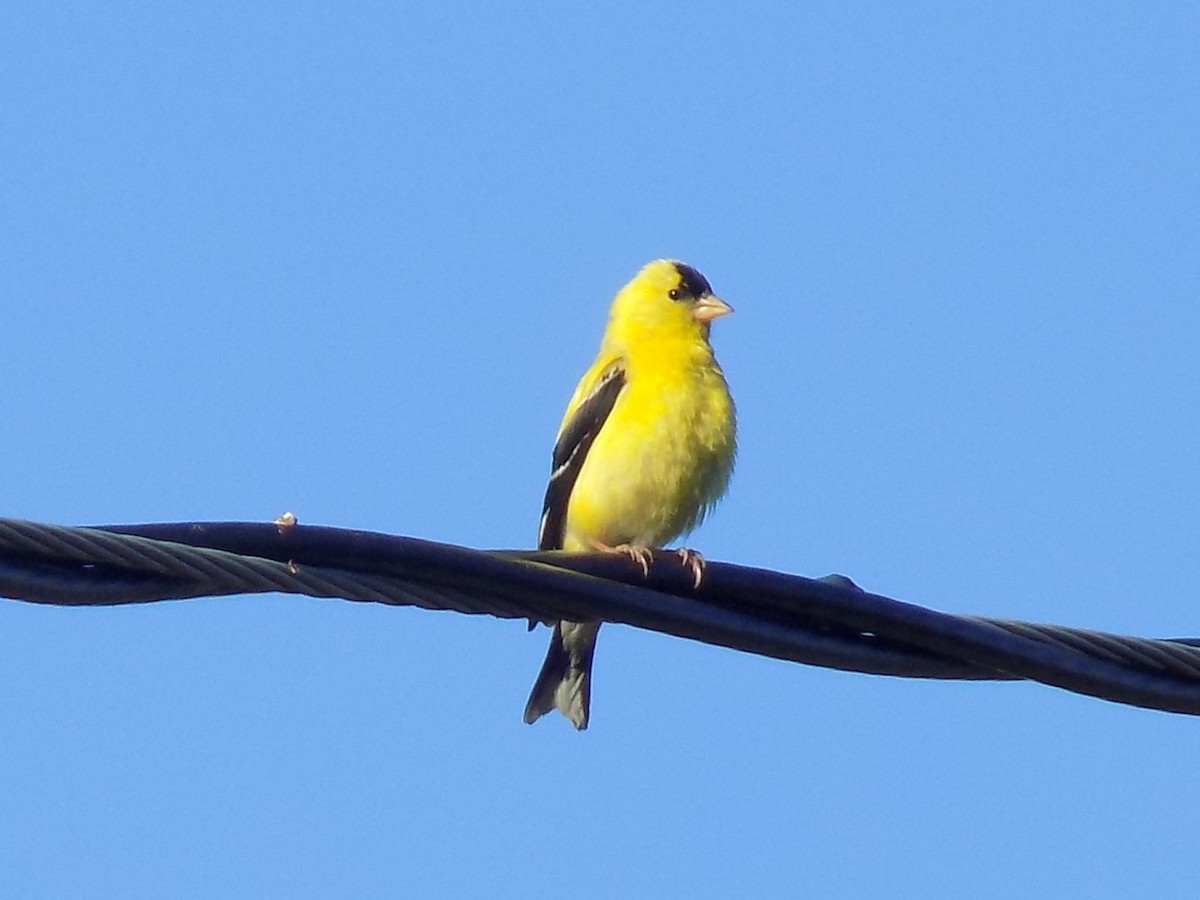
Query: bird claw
[(643, 556), (692, 559), (639, 553)]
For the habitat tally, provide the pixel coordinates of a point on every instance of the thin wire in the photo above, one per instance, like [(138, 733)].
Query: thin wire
[(827, 622)]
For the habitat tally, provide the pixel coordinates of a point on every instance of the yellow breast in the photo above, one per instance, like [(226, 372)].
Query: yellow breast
[(663, 456)]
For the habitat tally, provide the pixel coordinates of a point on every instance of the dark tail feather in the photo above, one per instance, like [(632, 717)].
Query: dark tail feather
[(565, 681)]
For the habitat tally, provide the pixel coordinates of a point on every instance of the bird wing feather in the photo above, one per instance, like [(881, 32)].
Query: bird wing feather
[(575, 438)]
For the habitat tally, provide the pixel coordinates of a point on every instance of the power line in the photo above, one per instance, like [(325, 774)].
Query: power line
[(826, 622)]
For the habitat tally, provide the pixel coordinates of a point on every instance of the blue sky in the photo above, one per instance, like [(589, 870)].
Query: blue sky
[(350, 263)]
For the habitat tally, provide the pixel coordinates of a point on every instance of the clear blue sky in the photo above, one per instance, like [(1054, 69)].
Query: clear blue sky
[(350, 263)]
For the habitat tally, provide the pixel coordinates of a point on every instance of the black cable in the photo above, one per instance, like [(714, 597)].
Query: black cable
[(828, 622)]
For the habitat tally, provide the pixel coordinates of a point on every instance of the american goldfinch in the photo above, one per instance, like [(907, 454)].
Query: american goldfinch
[(645, 450)]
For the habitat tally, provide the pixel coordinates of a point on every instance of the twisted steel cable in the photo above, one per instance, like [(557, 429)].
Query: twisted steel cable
[(827, 622)]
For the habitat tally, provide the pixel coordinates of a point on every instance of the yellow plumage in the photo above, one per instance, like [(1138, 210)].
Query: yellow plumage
[(644, 451)]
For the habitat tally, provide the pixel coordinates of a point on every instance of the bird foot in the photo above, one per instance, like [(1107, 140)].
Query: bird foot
[(643, 556), (639, 553), (692, 559)]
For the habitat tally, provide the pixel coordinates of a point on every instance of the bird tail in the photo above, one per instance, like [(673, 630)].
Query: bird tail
[(565, 681)]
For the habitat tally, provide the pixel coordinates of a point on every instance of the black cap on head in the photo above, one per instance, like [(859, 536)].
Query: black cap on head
[(692, 281)]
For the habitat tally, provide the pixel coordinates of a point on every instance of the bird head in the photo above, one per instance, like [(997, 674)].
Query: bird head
[(668, 296)]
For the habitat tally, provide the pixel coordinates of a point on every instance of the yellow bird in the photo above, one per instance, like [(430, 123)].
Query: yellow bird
[(644, 451)]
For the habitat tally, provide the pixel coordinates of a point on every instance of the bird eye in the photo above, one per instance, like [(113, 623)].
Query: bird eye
[(673, 293)]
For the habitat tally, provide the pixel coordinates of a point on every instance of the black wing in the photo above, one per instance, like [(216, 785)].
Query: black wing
[(570, 451)]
